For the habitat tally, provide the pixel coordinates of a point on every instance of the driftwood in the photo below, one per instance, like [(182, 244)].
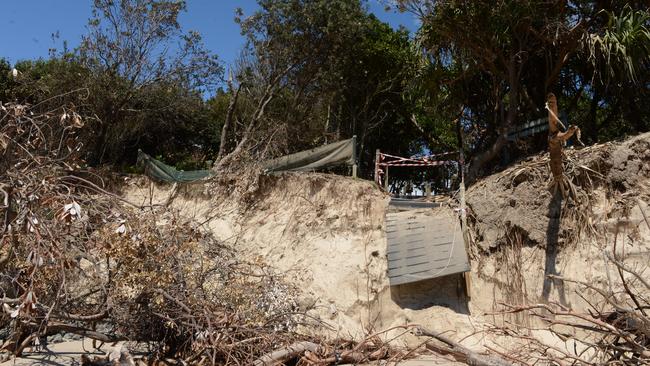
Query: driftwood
[(460, 352), (371, 348), (117, 356), (285, 353)]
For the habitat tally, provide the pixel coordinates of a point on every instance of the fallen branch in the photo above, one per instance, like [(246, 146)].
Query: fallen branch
[(286, 353), (88, 333), (462, 353), (628, 270)]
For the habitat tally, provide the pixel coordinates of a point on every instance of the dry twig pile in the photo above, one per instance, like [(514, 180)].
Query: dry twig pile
[(76, 258)]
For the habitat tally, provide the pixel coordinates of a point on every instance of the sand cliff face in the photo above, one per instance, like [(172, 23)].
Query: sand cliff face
[(325, 234), (522, 232)]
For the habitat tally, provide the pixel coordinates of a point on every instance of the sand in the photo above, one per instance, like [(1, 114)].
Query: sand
[(325, 234), (63, 353)]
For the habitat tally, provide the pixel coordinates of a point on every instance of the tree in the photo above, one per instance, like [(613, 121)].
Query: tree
[(6, 81), (132, 54), (615, 66), (622, 48), (327, 70), (499, 60), (372, 93), (293, 49)]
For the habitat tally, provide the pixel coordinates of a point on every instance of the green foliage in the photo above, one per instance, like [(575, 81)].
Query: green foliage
[(315, 34), (496, 62), (347, 75), (623, 45), (162, 117), (316, 71), (52, 82), (143, 94), (374, 82), (6, 81), (133, 92), (217, 109)]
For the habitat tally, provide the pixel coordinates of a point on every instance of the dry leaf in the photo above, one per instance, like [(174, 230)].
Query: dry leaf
[(77, 122), (4, 141)]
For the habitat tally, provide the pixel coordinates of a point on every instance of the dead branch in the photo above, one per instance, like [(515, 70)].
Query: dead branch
[(463, 353), (232, 105), (287, 353), (629, 270)]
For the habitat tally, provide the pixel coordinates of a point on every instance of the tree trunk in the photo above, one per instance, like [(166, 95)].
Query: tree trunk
[(100, 144), (232, 104), (556, 141), (327, 120), (478, 162), (270, 89), (243, 143), (592, 125)]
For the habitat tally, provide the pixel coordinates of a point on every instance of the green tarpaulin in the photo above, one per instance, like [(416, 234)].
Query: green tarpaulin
[(162, 172), (338, 153)]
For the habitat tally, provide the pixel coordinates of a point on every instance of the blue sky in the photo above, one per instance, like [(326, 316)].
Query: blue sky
[(26, 26)]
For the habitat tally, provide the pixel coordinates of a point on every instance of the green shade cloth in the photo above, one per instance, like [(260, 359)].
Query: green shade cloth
[(338, 153), (162, 172)]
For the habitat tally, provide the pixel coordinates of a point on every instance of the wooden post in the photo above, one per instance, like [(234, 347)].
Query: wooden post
[(463, 205), (427, 189), (377, 177), (386, 179)]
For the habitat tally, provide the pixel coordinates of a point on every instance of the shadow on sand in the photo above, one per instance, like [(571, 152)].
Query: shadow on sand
[(552, 236)]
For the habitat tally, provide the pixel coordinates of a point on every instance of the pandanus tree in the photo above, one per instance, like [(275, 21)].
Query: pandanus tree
[(498, 61)]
